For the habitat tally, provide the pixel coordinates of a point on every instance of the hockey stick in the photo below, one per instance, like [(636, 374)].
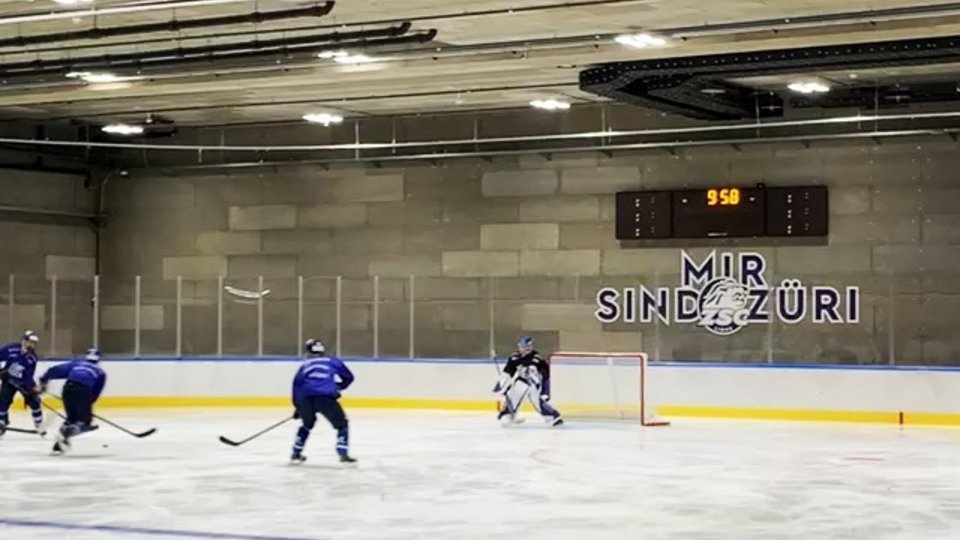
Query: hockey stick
[(19, 430), (230, 442), (139, 435)]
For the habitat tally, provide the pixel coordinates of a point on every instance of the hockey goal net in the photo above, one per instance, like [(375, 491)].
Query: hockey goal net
[(599, 385)]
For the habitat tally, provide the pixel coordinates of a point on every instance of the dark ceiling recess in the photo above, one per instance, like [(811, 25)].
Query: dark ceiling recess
[(173, 25), (252, 52), (702, 86)]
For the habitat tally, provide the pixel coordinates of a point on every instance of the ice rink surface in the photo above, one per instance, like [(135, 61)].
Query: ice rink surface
[(426, 475)]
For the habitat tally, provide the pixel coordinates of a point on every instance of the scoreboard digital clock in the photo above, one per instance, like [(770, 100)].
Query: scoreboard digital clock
[(723, 212)]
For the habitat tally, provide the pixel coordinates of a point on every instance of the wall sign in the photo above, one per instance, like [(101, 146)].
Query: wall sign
[(726, 292)]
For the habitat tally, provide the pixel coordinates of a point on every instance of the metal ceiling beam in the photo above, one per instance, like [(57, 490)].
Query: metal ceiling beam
[(870, 16), (119, 10), (173, 25)]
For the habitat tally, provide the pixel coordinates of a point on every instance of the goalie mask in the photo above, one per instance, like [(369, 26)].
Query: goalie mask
[(314, 347), (525, 344)]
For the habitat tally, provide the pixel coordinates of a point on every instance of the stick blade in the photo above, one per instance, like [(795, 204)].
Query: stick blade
[(228, 442), (146, 433)]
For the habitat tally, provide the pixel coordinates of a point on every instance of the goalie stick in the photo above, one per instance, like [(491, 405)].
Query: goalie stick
[(242, 442)]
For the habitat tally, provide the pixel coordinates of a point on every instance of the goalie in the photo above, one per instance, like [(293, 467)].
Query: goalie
[(526, 376)]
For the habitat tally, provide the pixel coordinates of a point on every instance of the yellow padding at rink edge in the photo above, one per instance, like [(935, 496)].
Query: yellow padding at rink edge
[(813, 415), (665, 411), (751, 413), (931, 419)]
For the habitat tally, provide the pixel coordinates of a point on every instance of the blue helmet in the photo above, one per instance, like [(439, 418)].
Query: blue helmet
[(314, 346), (93, 354), (525, 342)]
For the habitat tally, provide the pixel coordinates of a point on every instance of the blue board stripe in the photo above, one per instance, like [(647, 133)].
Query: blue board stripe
[(117, 529), (692, 364)]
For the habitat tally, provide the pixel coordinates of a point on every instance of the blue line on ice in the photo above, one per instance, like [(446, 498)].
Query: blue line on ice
[(171, 533)]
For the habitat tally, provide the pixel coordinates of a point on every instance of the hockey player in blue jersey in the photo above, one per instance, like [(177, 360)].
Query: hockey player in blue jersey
[(526, 376), (85, 382), (316, 390), (18, 363)]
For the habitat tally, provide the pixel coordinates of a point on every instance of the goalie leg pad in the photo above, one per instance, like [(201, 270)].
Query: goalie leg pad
[(512, 399)]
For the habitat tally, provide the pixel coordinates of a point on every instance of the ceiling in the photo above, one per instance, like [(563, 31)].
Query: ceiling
[(486, 54)]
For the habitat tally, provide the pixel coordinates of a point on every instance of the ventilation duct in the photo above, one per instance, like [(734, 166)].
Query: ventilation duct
[(704, 87), (169, 26), (226, 51)]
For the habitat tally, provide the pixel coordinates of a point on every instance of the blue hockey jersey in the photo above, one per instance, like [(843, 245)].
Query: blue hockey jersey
[(20, 365), (324, 376), (83, 372)]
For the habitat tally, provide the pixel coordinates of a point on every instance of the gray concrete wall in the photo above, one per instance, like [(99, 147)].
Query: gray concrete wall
[(36, 247), (536, 237)]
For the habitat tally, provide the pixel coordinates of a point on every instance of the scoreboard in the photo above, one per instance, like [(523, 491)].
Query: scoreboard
[(723, 212)]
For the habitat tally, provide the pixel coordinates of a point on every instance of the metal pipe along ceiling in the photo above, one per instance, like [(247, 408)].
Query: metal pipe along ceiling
[(732, 128), (173, 25), (635, 147), (221, 51)]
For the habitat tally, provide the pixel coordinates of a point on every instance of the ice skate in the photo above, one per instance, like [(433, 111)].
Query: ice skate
[(61, 446), (298, 459), (348, 460)]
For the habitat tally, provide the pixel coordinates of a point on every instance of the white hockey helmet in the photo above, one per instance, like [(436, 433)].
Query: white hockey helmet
[(314, 347)]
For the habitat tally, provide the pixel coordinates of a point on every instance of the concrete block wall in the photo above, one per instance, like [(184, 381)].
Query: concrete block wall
[(37, 248), (536, 237)]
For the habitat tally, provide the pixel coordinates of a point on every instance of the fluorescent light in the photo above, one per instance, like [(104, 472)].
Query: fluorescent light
[(323, 118), (343, 57), (809, 87), (98, 78), (640, 41), (123, 129), (550, 104), (73, 3), (330, 55)]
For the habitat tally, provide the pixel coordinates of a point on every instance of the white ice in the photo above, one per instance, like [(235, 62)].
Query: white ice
[(427, 475)]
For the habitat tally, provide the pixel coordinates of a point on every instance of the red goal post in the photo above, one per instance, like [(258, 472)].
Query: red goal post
[(602, 385)]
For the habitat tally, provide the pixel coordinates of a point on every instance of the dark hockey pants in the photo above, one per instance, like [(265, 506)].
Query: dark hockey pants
[(329, 407), (7, 392), (78, 402)]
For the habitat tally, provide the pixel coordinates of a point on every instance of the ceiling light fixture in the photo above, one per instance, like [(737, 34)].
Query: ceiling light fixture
[(809, 87), (73, 3), (98, 78), (343, 57), (550, 104), (123, 129), (640, 41), (327, 119)]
